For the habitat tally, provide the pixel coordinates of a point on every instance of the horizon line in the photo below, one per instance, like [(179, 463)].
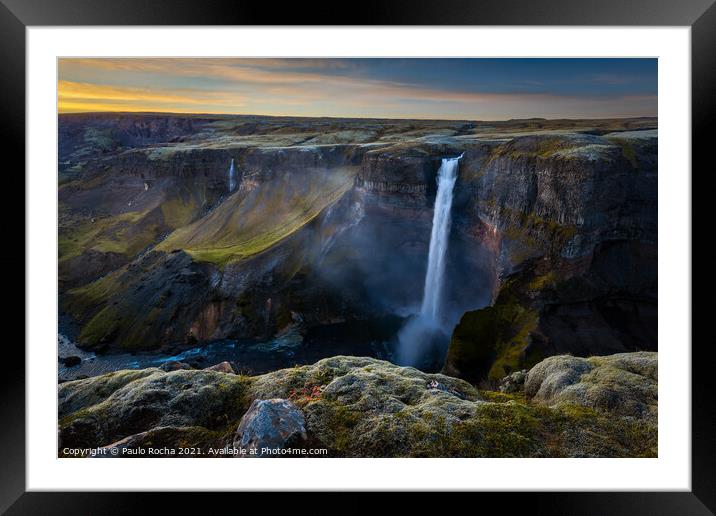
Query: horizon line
[(180, 113)]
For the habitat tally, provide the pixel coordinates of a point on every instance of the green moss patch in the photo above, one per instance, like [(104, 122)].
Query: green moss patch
[(105, 234), (490, 343)]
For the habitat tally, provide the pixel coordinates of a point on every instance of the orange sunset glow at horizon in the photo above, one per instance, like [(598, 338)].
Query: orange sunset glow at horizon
[(487, 89)]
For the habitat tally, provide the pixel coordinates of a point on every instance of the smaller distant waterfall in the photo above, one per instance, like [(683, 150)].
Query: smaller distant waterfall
[(232, 177)]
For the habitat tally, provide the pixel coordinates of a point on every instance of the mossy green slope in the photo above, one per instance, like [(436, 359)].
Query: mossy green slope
[(91, 246), (248, 223)]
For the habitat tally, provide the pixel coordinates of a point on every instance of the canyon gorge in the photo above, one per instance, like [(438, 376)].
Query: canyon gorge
[(302, 252)]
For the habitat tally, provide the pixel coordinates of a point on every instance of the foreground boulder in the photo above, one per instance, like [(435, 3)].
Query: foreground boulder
[(270, 426), (624, 384), (102, 410), (363, 407)]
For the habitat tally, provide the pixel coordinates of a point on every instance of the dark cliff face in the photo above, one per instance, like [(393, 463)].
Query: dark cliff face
[(156, 252), (399, 180), (576, 220)]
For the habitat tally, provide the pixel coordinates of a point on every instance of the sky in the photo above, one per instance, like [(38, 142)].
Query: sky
[(431, 88)]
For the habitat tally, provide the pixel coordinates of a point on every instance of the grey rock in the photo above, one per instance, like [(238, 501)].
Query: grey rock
[(273, 423)]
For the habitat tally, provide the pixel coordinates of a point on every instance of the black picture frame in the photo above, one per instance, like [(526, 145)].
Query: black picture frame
[(17, 15)]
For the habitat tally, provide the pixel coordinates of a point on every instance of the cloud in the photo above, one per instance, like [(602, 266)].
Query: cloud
[(76, 96), (304, 87), (611, 79), (68, 90)]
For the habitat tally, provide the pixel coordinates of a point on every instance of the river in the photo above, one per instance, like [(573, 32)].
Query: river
[(357, 338)]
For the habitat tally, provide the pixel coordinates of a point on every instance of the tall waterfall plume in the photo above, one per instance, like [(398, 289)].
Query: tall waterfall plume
[(232, 177), (418, 338), (435, 277)]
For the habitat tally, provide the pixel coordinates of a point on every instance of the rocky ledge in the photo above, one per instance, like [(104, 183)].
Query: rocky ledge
[(361, 407)]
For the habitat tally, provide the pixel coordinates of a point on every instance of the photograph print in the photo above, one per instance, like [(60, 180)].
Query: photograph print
[(385, 257)]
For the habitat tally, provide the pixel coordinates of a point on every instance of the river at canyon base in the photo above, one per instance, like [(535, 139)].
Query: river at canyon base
[(374, 338)]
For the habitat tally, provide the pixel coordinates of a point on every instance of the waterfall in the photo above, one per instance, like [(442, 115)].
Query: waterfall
[(434, 279), (232, 177), (417, 339)]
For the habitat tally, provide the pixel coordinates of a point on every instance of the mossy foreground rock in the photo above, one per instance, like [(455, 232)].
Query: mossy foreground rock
[(99, 411), (624, 384), (362, 407)]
